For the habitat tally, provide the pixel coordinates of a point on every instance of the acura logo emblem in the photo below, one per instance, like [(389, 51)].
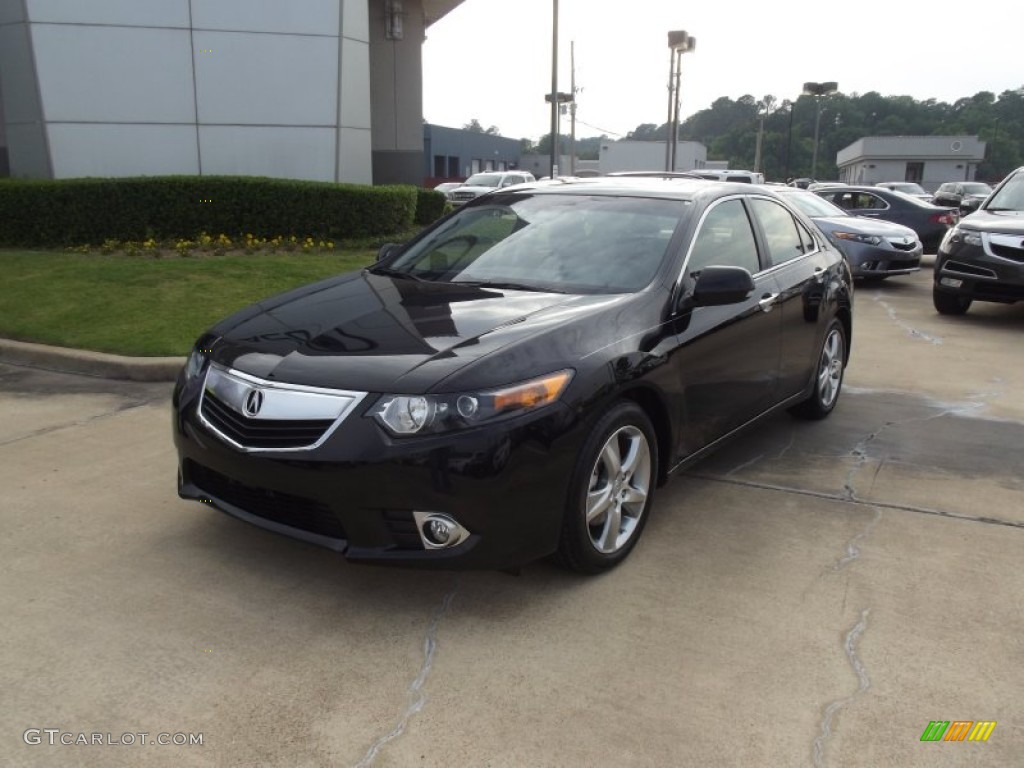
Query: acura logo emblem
[(253, 402)]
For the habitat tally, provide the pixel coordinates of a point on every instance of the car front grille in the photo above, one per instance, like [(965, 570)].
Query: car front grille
[(283, 508), (262, 433), (462, 196), (1008, 252), (902, 246), (254, 414)]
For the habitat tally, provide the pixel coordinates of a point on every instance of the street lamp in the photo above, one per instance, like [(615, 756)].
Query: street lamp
[(679, 43), (817, 90)]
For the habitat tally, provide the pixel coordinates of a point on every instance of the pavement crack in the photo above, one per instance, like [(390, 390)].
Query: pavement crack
[(859, 502), (911, 330), (852, 546), (417, 698), (863, 683), (80, 422)]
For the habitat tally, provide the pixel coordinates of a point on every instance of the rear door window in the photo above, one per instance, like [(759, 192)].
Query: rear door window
[(782, 234)]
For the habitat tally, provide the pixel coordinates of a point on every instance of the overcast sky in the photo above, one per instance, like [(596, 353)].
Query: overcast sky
[(491, 59)]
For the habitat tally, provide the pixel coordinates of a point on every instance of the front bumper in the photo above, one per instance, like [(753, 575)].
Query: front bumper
[(357, 491), (882, 260), (993, 271)]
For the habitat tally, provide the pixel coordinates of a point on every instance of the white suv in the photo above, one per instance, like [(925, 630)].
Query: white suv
[(482, 183)]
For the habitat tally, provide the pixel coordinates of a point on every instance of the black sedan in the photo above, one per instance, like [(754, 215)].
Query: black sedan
[(929, 221), (518, 379), (875, 249)]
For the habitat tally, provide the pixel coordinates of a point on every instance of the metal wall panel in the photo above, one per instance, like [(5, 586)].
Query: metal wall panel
[(122, 150), (312, 17), (114, 74), (244, 78), (143, 13), (288, 153)]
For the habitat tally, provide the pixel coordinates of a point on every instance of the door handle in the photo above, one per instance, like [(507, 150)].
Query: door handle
[(768, 302)]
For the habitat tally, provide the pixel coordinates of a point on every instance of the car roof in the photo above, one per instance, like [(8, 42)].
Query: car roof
[(696, 190)]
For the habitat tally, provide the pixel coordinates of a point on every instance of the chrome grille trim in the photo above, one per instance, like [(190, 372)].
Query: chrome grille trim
[(284, 406)]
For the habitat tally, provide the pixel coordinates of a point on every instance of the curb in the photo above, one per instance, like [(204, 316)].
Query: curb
[(100, 364)]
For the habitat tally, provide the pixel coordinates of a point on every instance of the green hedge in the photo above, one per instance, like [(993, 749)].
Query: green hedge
[(429, 206), (80, 211)]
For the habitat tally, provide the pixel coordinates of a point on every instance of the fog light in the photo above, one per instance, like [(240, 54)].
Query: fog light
[(439, 531), (951, 282)]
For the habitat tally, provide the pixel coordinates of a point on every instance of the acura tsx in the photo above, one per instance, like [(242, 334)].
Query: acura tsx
[(519, 379)]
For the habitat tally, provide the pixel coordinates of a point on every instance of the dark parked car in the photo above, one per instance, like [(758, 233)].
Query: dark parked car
[(875, 249), (519, 378), (965, 195), (907, 188), (982, 258), (931, 222)]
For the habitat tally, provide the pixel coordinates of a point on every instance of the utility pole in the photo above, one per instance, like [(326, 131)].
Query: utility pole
[(554, 88), (572, 108), (679, 43)]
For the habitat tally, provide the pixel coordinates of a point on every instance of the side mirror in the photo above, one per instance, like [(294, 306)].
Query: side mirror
[(385, 250), (717, 286)]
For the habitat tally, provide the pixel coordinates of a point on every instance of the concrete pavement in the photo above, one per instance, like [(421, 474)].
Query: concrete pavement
[(814, 594)]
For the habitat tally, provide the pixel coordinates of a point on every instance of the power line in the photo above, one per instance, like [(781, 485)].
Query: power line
[(596, 128)]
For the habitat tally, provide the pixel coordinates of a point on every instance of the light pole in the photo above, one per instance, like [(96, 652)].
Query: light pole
[(767, 104), (679, 43), (554, 88), (817, 90)]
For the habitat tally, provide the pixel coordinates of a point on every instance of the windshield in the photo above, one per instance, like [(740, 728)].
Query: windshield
[(1010, 196), (811, 205), (484, 180), (977, 188), (564, 243)]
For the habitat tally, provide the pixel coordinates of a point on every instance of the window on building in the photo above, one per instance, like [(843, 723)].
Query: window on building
[(489, 165), (915, 172), (453, 167), (475, 166), (503, 165), (440, 165)]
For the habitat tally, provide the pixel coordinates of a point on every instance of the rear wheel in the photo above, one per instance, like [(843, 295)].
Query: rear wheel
[(950, 303), (611, 491), (828, 378)]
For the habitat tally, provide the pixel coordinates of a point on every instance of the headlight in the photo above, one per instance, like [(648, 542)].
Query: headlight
[(425, 414), (869, 239), (197, 357), (965, 236)]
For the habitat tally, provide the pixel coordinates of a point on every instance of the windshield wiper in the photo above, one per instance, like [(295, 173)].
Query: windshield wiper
[(512, 286), (388, 272)]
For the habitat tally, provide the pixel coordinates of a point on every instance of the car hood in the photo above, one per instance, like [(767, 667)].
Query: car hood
[(863, 226), (474, 189), (1010, 222), (376, 333)]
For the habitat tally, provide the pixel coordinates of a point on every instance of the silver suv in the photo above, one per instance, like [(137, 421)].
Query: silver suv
[(482, 183)]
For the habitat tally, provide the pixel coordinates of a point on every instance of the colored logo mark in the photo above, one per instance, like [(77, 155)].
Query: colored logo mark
[(958, 730)]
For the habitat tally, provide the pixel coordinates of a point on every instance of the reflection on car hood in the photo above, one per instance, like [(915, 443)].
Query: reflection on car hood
[(1011, 222), (374, 333), (863, 226)]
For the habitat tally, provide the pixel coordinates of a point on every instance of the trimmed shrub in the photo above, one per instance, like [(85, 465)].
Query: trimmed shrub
[(76, 211), (429, 206)]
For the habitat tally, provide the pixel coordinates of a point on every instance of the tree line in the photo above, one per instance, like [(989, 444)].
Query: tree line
[(729, 128)]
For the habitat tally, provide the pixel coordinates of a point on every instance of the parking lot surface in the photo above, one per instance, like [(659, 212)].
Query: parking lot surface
[(813, 594)]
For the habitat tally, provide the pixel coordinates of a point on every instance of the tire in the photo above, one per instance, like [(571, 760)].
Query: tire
[(950, 303), (611, 491), (828, 375)]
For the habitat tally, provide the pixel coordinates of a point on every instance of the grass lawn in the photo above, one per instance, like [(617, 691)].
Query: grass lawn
[(140, 305)]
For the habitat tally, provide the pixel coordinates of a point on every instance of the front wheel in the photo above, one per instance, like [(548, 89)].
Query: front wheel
[(828, 378), (611, 491), (950, 303)]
